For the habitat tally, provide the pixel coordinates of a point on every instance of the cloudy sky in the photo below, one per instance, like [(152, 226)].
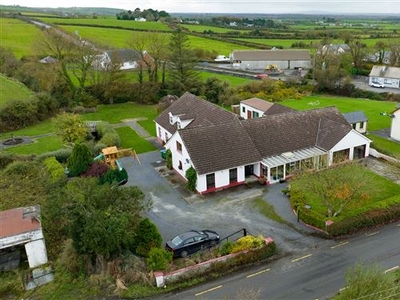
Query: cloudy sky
[(228, 6)]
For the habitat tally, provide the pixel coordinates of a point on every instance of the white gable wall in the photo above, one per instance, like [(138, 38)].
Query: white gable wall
[(162, 134), (395, 127), (351, 140), (179, 158), (244, 108)]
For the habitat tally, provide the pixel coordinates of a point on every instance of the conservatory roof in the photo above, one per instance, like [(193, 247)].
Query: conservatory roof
[(288, 157)]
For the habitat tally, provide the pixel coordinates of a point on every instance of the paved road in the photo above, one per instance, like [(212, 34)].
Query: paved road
[(315, 274)]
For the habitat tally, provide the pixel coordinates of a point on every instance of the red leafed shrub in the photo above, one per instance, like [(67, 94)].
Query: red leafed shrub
[(96, 169)]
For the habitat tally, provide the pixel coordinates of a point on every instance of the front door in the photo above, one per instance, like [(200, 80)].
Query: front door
[(232, 176), (210, 178), (249, 114), (248, 170)]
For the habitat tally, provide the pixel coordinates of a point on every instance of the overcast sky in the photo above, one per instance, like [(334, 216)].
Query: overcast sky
[(228, 6)]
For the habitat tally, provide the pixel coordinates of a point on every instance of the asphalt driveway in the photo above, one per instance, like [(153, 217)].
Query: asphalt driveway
[(175, 210)]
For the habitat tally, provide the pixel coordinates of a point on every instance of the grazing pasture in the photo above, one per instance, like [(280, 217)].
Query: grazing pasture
[(108, 22), (18, 36), (12, 90)]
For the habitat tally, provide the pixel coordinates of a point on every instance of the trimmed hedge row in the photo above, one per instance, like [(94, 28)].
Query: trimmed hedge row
[(364, 217), (379, 213), (107, 134)]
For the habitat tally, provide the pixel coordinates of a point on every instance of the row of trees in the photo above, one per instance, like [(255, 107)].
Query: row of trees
[(148, 14)]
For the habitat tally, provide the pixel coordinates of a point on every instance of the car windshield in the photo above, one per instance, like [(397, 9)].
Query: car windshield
[(176, 240)]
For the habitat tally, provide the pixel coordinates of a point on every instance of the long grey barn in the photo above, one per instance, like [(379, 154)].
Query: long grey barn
[(260, 59)]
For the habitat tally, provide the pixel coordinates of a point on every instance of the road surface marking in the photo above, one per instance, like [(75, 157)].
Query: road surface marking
[(258, 273), (300, 258), (372, 233), (340, 245), (210, 290), (391, 269)]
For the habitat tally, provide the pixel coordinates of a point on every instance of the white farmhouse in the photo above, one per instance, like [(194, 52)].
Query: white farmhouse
[(224, 149)]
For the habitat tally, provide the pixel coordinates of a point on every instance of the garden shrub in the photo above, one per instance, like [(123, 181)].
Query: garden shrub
[(80, 159), (114, 176), (55, 169), (96, 169), (247, 242), (107, 135), (191, 177), (226, 248), (147, 237), (168, 159), (7, 158), (158, 259), (61, 155)]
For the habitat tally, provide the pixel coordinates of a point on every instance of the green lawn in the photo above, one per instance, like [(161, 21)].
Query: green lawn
[(12, 90), (129, 139), (385, 145), (371, 108), (117, 112), (42, 145), (18, 36), (40, 128)]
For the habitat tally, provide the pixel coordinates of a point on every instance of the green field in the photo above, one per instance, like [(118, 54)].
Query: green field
[(233, 80), (106, 22), (12, 90), (18, 36), (202, 28), (118, 38)]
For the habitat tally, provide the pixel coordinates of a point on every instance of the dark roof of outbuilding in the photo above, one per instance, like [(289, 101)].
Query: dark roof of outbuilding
[(355, 117), (124, 55), (202, 112), (278, 109), (219, 147)]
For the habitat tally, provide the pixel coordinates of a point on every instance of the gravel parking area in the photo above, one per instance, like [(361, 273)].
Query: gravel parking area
[(175, 210)]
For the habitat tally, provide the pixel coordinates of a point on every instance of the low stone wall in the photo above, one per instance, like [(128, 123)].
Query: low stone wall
[(164, 278), (377, 154)]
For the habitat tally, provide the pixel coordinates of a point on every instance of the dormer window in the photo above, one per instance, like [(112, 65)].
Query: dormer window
[(171, 120), (179, 125)]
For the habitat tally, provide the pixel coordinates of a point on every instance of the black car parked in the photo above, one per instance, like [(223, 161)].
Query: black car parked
[(192, 241)]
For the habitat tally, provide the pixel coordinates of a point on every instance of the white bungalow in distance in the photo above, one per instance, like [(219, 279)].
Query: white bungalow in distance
[(385, 76), (224, 150)]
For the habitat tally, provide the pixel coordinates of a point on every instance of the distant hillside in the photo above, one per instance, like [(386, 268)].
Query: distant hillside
[(61, 10)]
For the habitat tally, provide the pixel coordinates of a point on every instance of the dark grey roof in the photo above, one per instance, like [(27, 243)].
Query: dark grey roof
[(278, 109), (275, 134), (355, 117), (123, 55), (219, 147), (202, 112), (267, 55)]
